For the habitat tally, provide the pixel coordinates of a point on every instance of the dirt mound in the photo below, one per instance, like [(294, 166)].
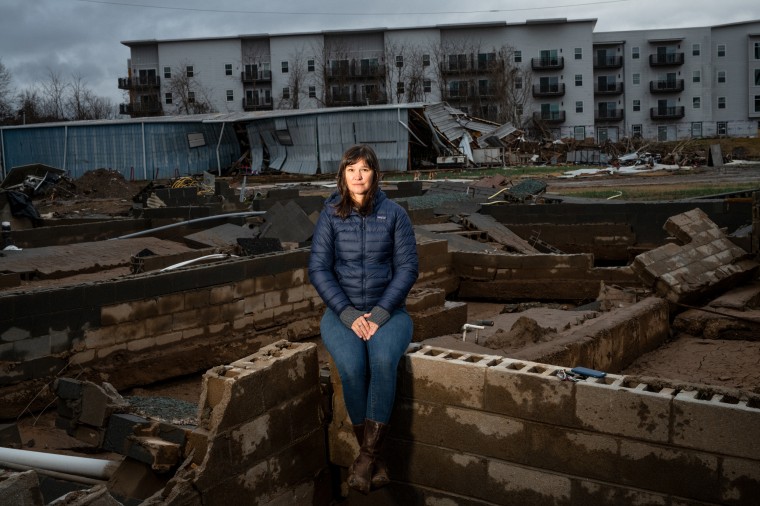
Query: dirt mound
[(105, 184), (525, 331)]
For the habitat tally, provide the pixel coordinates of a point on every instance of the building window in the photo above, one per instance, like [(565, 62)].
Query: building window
[(757, 103), (721, 76), (579, 106), (168, 98), (425, 60), (696, 102), (757, 77), (662, 133), (696, 76), (518, 56), (721, 50), (227, 69), (190, 97), (579, 79), (284, 67), (721, 102), (190, 70), (637, 78), (312, 92), (635, 130), (722, 128), (427, 86), (230, 95), (757, 50), (637, 105), (579, 133), (310, 65), (578, 53), (167, 72), (696, 129), (695, 49), (400, 88), (286, 93), (399, 60), (518, 82), (635, 53)]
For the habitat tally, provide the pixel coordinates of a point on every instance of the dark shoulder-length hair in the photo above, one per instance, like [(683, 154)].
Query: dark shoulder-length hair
[(359, 152)]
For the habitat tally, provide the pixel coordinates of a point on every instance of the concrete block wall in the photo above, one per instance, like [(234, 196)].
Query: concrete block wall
[(158, 325), (478, 429), (534, 277), (264, 435)]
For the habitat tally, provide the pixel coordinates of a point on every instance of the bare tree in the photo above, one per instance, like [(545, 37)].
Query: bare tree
[(31, 110), (188, 95), (296, 78), (54, 96), (6, 92)]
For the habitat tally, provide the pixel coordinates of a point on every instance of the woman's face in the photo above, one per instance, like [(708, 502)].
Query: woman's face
[(358, 180)]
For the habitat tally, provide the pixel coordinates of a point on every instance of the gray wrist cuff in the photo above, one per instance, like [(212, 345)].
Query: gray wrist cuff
[(379, 316), (349, 315)]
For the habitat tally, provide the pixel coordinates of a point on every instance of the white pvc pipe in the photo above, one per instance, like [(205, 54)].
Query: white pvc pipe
[(83, 466)]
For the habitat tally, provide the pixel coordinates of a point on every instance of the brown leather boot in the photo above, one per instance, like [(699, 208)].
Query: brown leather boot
[(380, 476), (360, 472), (359, 433)]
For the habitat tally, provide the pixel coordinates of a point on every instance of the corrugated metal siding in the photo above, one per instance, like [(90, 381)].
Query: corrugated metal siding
[(381, 129), (302, 155), (119, 146)]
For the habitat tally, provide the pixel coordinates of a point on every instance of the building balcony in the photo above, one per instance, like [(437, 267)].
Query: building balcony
[(353, 99), (666, 86), (664, 60), (609, 115), (356, 72), (139, 83), (661, 113), (609, 62), (547, 63), (256, 77), (137, 110), (550, 90), (257, 104), (608, 89), (458, 69), (550, 117)]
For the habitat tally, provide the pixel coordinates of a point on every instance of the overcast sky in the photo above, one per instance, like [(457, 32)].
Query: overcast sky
[(83, 37)]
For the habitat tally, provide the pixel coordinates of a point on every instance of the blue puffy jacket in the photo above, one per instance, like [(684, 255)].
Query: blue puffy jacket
[(364, 261)]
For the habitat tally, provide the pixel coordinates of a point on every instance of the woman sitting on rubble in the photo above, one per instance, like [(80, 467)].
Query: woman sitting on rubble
[(363, 264)]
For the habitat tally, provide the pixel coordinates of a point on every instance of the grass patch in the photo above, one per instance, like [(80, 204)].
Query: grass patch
[(655, 192)]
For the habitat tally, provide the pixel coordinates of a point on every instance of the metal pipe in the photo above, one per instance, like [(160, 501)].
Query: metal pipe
[(219, 143), (195, 220), (93, 468), (55, 474), (213, 256), (145, 162), (65, 145)]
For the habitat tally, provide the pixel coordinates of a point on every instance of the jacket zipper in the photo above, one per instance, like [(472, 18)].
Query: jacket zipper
[(364, 264)]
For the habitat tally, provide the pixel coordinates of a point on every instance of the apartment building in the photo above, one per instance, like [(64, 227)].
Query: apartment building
[(556, 74)]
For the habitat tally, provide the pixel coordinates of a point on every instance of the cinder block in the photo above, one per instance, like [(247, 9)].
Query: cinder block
[(135, 481), (445, 377), (120, 427), (10, 436), (740, 481), (248, 387), (68, 388), (710, 425), (529, 390), (638, 414), (160, 455), (21, 489)]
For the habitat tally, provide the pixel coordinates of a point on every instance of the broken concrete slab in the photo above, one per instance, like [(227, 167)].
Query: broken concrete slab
[(20, 489), (706, 262), (288, 223), (222, 236), (96, 496), (499, 233)]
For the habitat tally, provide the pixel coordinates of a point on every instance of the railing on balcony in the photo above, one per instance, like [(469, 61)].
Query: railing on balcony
[(608, 62), (557, 63), (549, 116), (656, 60), (139, 83), (256, 77), (674, 112), (458, 68), (356, 72), (257, 104), (139, 110), (609, 115), (608, 89), (350, 99), (666, 86), (549, 90)]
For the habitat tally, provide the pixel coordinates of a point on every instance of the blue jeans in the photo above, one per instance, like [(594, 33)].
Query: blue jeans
[(368, 369)]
